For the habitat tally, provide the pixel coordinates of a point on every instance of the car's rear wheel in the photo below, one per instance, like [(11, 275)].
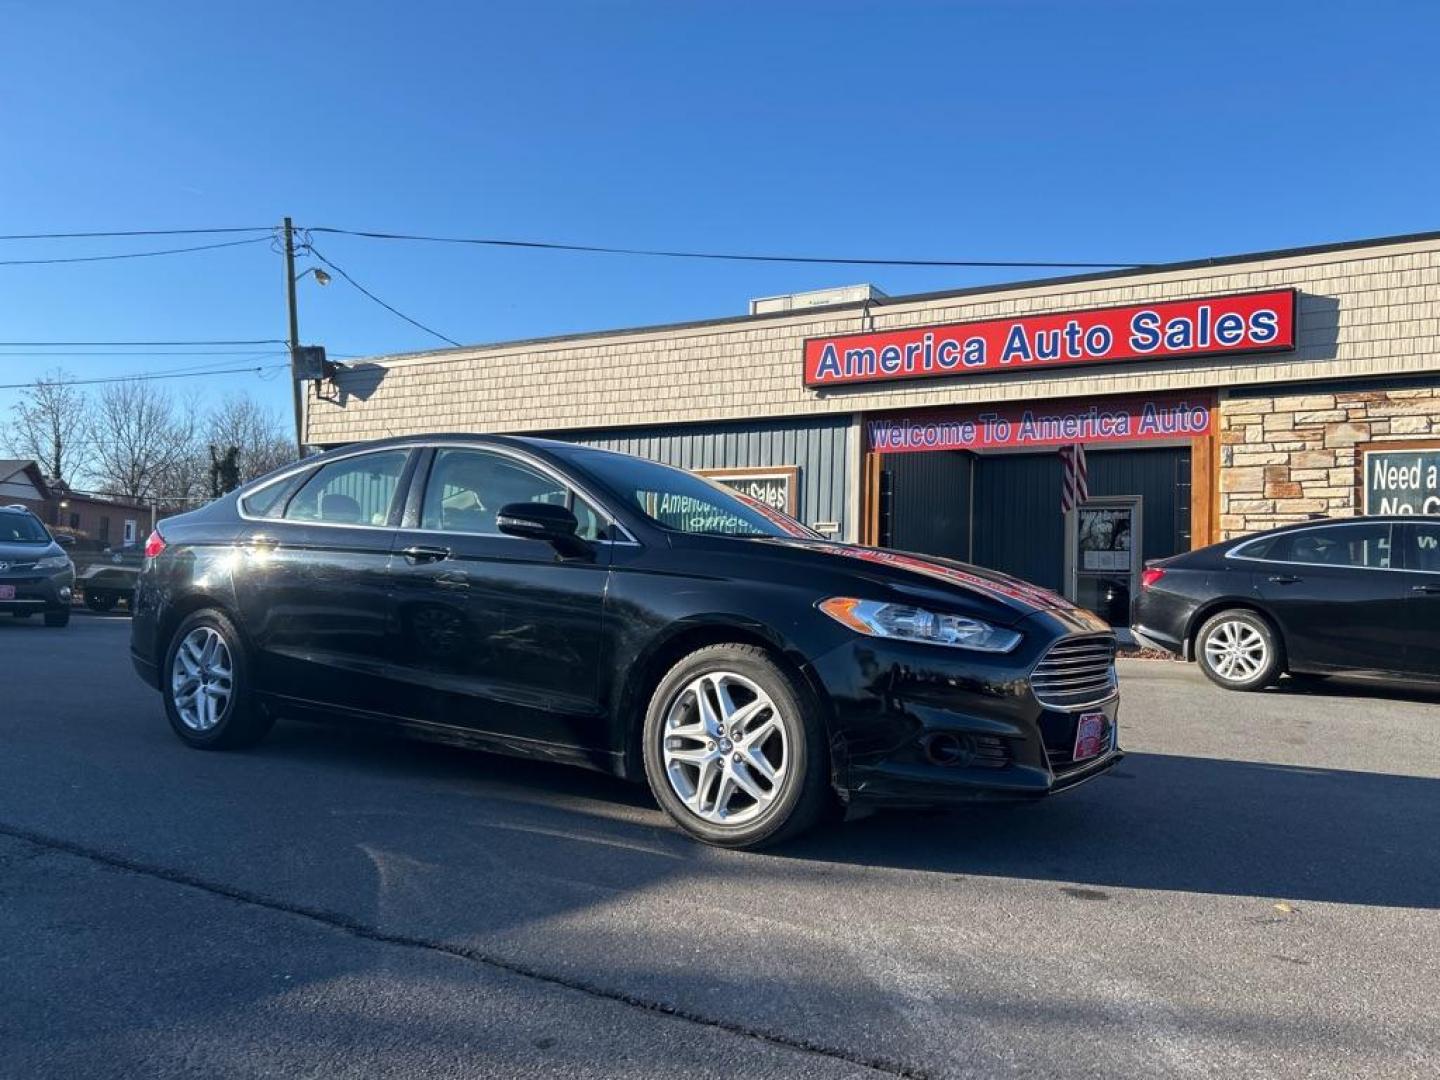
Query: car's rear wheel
[(100, 601), (1239, 650), (735, 749), (206, 685)]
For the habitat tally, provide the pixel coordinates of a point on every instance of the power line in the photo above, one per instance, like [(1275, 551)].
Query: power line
[(137, 352), (133, 232), (134, 254), (152, 376), (382, 303), (544, 245), (136, 344)]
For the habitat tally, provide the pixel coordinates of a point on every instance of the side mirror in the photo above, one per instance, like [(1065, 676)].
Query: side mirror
[(543, 521)]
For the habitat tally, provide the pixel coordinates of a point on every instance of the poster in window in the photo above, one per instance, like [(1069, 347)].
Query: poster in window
[(1105, 536)]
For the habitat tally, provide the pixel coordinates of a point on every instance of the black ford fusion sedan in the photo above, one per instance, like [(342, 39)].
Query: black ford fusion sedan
[(1357, 596), (559, 602)]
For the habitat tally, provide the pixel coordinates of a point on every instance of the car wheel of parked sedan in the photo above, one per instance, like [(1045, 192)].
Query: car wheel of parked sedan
[(735, 750), (1239, 650), (58, 618), (206, 685)]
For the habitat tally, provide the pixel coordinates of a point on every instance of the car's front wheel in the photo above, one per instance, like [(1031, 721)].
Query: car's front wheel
[(209, 699), (735, 749), (1239, 650)]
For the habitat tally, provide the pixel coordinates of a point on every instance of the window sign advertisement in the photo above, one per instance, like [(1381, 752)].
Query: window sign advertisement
[(1402, 481), (1105, 538)]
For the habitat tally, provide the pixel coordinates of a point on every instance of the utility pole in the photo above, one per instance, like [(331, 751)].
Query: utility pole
[(297, 395)]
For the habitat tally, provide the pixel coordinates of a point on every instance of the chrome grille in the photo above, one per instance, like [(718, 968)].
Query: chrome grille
[(1076, 673)]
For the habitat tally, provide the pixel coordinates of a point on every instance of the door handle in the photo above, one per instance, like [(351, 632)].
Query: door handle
[(1432, 588), (420, 553), (262, 543), (1283, 579)]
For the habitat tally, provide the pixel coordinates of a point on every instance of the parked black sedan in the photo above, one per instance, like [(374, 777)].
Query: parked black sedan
[(571, 604), (1358, 596)]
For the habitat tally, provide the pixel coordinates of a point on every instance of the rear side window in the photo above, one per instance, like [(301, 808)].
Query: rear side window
[(353, 491), (1337, 545), (268, 500), (1421, 547)]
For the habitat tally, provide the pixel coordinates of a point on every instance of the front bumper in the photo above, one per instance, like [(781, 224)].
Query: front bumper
[(890, 700), (37, 591)]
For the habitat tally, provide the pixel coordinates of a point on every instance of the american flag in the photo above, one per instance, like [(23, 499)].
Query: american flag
[(1074, 486)]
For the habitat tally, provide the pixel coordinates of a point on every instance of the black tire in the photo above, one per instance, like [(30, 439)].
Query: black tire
[(241, 721), (802, 795), (1240, 650), (100, 601), (58, 618)]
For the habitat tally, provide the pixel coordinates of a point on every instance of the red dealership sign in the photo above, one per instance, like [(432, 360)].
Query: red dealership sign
[(1051, 423), (1176, 329)]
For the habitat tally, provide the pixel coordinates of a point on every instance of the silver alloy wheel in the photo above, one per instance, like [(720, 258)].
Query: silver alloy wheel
[(1236, 651), (202, 678), (725, 749)]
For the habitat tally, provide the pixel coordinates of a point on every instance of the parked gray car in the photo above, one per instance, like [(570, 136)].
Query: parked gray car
[(36, 575), (110, 576)]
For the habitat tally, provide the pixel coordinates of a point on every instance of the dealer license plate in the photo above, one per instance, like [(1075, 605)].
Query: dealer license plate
[(7, 592), (1090, 736)]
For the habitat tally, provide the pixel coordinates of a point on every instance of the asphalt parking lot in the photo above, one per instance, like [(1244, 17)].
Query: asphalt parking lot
[(1254, 892)]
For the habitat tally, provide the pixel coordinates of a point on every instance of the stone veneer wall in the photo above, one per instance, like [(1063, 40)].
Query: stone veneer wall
[(1284, 458)]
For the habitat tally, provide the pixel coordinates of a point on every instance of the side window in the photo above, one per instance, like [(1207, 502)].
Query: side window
[(352, 491), (269, 500), (1422, 547), (1338, 545), (467, 488)]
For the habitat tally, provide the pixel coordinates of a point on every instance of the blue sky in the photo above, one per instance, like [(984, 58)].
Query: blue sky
[(1070, 131)]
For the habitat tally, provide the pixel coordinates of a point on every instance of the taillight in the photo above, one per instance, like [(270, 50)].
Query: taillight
[(1150, 576), (155, 545)]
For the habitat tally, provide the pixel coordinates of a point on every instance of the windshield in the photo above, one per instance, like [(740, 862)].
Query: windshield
[(675, 499), (22, 529)]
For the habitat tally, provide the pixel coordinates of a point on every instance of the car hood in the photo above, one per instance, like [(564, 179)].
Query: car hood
[(28, 552), (1019, 598)]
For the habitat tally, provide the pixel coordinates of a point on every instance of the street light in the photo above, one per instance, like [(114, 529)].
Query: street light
[(321, 277)]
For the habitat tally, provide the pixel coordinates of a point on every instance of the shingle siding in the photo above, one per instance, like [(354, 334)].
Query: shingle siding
[(1362, 312)]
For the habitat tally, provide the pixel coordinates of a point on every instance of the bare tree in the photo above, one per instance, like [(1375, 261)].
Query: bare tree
[(242, 423), (52, 426), (144, 446)]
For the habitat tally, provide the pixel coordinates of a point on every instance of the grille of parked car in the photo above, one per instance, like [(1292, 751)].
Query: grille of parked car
[(1076, 673)]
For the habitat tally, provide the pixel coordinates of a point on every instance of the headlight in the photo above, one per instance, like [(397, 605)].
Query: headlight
[(877, 619), (52, 562)]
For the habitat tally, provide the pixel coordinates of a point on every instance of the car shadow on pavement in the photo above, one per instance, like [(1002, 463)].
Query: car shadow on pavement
[(1157, 821), (1353, 687), (1183, 823)]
